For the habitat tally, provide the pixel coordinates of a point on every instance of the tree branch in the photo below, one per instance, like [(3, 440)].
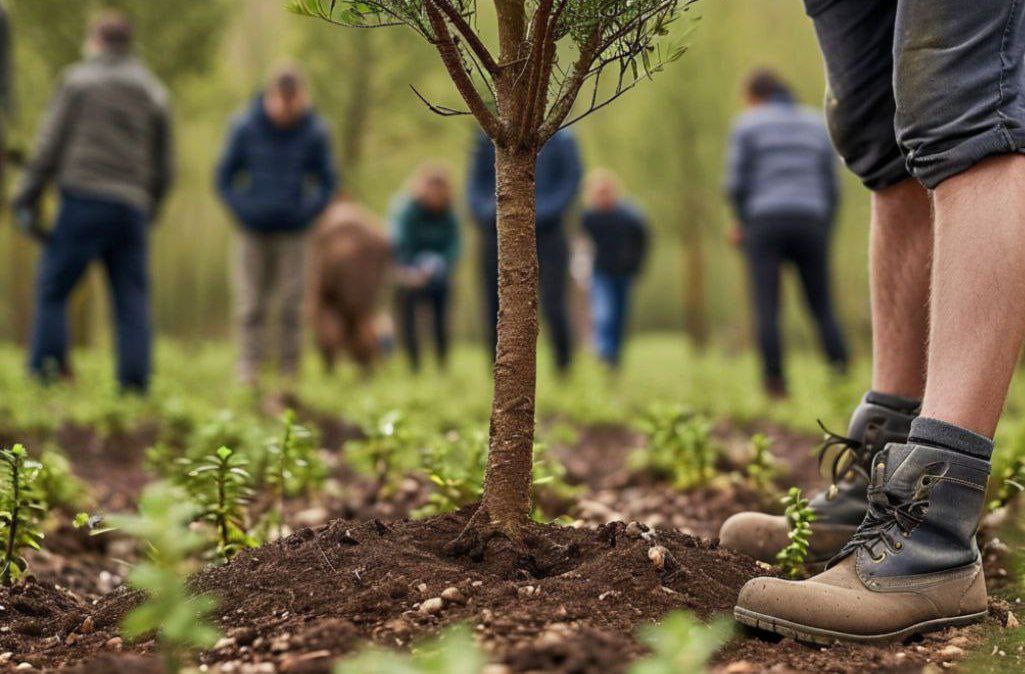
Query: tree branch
[(476, 45), (453, 61), (563, 105), (442, 110)]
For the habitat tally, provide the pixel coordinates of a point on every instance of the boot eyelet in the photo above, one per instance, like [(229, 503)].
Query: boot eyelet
[(880, 558), (897, 545)]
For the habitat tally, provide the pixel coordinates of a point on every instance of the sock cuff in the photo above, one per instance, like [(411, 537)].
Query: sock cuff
[(949, 436), (894, 402)]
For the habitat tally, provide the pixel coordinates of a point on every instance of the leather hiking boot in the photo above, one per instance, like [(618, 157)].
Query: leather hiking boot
[(846, 462), (912, 566)]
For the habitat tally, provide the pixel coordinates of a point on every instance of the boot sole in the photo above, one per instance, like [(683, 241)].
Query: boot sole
[(815, 635)]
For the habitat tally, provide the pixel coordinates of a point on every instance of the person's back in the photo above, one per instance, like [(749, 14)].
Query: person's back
[(108, 134), (781, 163), (106, 144)]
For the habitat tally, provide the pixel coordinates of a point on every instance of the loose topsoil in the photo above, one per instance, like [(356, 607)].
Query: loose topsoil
[(571, 602)]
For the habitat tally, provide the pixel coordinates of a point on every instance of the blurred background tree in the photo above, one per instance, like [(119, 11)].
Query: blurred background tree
[(666, 141)]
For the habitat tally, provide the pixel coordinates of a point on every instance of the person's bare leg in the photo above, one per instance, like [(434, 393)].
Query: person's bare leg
[(901, 231), (978, 320)]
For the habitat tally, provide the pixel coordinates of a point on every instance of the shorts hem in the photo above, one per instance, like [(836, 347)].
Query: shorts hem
[(933, 169)]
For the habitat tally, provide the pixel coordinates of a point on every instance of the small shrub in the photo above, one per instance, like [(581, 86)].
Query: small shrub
[(177, 618), (799, 517), (452, 652), (220, 485), (680, 447), (681, 644), (21, 512)]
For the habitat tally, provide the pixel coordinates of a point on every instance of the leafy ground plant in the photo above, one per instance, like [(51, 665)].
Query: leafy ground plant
[(220, 485), (176, 617), (682, 643), (455, 467), (388, 441), (680, 446), (1011, 483), (799, 517), (761, 469), (21, 512)]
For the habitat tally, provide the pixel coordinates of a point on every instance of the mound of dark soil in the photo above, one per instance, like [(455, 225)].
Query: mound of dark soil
[(570, 603)]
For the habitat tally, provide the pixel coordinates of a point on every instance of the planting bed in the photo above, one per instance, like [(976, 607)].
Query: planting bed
[(355, 571)]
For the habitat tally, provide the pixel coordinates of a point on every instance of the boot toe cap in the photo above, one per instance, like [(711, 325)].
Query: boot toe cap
[(756, 535)]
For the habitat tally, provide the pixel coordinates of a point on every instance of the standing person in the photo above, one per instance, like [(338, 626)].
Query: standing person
[(619, 232), (558, 182), (426, 245), (926, 104), (276, 176), (106, 144), (782, 184)]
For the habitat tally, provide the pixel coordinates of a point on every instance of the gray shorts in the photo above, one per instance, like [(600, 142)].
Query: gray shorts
[(922, 87)]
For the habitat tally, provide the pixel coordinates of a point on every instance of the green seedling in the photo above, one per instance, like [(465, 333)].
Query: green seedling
[(455, 466), (220, 485), (682, 643), (453, 652), (1011, 481), (761, 469), (177, 618), (680, 447), (387, 440), (799, 517), (21, 512), (58, 486)]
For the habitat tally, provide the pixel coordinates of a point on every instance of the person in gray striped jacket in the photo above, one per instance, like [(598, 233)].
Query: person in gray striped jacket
[(781, 180)]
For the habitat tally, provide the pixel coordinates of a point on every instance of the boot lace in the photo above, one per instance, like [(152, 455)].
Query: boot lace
[(885, 519), (842, 455)]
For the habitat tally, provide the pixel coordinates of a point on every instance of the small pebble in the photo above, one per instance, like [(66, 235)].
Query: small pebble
[(114, 644), (657, 555), (453, 595), (432, 606), (87, 626)]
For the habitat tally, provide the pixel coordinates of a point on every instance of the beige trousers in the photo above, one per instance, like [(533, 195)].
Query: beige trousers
[(270, 267)]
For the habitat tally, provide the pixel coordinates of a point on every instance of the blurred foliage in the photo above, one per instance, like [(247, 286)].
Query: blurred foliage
[(681, 643), (665, 139), (177, 617)]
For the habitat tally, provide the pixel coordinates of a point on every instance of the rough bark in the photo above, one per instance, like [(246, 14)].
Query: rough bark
[(506, 499)]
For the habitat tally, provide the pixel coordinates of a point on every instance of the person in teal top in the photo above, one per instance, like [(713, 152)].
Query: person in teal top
[(426, 244)]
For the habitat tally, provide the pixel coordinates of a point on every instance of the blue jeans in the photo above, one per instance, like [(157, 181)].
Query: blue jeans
[(90, 228), (610, 299)]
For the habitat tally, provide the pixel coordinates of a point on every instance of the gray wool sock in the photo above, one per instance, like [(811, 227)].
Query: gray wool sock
[(941, 434)]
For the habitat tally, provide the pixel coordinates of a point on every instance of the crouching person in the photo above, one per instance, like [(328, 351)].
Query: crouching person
[(276, 176), (106, 143), (426, 244), (351, 259)]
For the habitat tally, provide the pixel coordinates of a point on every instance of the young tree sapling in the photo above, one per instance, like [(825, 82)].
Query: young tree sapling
[(548, 52)]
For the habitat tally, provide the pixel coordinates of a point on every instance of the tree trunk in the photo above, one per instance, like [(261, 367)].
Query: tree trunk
[(506, 500)]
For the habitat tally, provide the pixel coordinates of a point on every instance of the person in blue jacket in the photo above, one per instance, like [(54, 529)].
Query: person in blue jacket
[(276, 177), (558, 183), (425, 241)]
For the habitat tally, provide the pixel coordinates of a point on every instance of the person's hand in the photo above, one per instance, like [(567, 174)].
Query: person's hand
[(736, 236), (27, 220)]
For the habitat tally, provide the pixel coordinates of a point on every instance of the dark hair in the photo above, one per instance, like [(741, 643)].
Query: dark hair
[(114, 30), (287, 79), (766, 85)]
